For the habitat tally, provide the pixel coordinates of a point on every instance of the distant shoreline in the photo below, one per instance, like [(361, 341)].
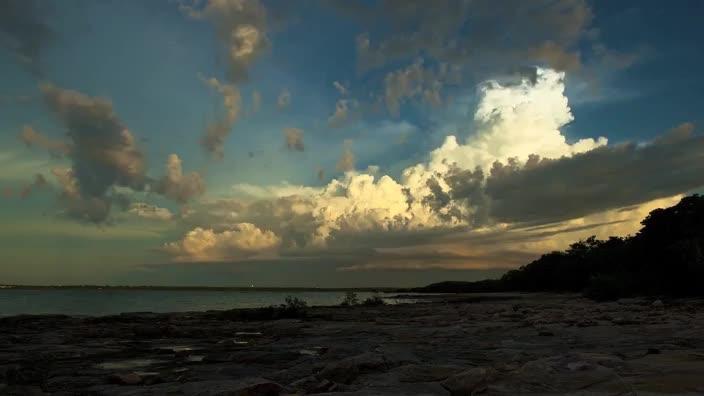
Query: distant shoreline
[(200, 288)]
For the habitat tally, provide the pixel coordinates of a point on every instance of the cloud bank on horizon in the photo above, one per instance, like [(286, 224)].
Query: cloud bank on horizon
[(518, 168), (407, 137)]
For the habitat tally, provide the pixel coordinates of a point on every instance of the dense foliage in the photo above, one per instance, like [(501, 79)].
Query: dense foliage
[(665, 257)]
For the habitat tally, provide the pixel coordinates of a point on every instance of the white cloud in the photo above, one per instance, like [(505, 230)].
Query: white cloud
[(177, 186), (447, 194), (243, 240)]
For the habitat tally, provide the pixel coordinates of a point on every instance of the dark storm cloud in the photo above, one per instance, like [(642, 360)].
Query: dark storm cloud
[(604, 178), (104, 153), (24, 31)]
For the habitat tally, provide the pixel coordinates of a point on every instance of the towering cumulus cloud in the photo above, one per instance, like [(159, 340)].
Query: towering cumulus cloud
[(517, 170), (103, 151), (177, 186)]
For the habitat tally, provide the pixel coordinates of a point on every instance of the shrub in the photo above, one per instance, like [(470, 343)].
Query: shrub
[(350, 299), (373, 301)]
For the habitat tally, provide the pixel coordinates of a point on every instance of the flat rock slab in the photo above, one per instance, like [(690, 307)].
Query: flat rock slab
[(537, 344)]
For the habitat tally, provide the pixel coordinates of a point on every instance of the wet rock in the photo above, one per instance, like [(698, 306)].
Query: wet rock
[(313, 384), (425, 373), (347, 370), (624, 321), (20, 390), (564, 374), (468, 382)]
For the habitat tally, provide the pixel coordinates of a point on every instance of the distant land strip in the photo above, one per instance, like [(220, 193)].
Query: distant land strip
[(199, 288)]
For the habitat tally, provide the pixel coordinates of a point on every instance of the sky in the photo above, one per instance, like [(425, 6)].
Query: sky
[(335, 143)]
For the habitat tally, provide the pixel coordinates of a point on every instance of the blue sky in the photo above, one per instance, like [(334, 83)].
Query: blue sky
[(631, 72)]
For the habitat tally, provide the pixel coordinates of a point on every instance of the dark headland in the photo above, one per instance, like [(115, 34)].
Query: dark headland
[(622, 316), (666, 257)]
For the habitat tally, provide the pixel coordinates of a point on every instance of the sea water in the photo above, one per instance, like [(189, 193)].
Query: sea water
[(107, 301)]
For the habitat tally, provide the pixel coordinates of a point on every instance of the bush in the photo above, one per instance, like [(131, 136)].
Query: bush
[(295, 304), (350, 299), (373, 301)]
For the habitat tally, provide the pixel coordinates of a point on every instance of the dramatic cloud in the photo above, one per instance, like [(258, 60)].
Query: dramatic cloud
[(516, 120), (24, 30), (91, 209), (216, 133), (516, 181), (150, 212), (346, 161), (243, 241), (294, 139), (177, 186), (284, 99), (32, 137), (240, 26), (103, 151), (601, 179)]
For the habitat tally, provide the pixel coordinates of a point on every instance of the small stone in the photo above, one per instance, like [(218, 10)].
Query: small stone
[(657, 304), (653, 351), (546, 333)]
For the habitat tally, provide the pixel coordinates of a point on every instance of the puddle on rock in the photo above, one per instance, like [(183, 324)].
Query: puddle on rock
[(315, 351), (176, 348), (249, 333)]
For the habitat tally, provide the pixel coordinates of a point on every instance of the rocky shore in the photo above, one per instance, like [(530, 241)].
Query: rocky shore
[(516, 344)]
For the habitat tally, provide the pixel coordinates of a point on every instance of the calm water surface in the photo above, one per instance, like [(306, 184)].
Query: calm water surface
[(108, 302)]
